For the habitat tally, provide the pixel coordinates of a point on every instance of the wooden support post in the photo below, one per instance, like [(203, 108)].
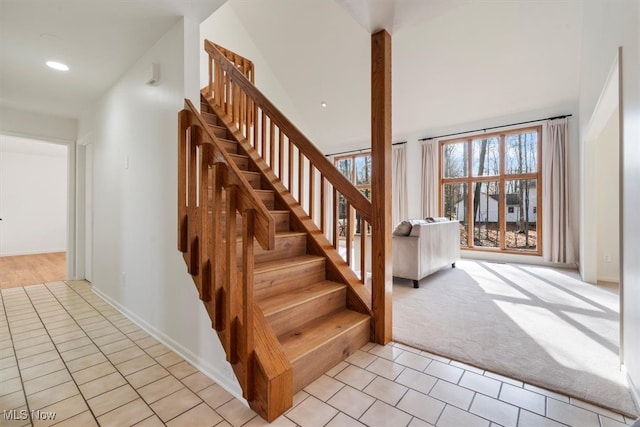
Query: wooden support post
[(382, 285)]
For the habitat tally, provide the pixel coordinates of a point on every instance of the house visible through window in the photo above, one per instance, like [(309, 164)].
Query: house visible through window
[(357, 168), (491, 184)]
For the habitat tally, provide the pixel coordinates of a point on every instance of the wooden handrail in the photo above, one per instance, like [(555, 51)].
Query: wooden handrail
[(265, 225), (310, 151), (206, 173), (241, 63)]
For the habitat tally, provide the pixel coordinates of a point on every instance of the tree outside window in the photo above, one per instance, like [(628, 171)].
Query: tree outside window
[(491, 184)]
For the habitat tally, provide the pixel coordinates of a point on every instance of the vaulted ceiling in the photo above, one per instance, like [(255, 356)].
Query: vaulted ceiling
[(454, 61)]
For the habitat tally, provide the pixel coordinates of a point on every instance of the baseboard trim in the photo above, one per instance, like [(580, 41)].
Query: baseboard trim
[(635, 391), (209, 370)]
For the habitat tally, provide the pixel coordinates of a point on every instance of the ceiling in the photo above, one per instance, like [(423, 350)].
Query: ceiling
[(98, 39), (455, 62)]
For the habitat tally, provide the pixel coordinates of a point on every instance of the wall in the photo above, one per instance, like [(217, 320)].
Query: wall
[(136, 264), (608, 224), (225, 28), (39, 126), (33, 196), (608, 25)]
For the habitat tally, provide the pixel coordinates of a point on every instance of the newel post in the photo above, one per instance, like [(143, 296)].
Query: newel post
[(381, 185)]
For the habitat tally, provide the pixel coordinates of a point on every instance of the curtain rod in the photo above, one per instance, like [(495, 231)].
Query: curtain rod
[(360, 150), (494, 127)]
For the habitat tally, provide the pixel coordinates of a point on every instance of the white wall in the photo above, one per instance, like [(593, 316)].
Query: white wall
[(135, 261), (608, 25), (224, 28), (33, 196), (607, 196), (38, 126)]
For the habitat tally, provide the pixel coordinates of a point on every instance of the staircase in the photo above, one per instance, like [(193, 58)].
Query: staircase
[(285, 304)]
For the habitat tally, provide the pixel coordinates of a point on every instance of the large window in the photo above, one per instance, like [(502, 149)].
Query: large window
[(491, 184), (357, 168)]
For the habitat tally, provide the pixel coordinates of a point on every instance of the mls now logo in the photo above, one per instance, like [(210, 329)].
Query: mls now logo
[(23, 414)]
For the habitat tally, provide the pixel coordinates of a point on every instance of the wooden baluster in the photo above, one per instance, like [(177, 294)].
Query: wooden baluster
[(272, 143), (349, 232), (236, 104), (263, 144), (210, 87), (256, 131), (183, 133), (226, 92), (193, 196), (290, 165), (231, 290), (323, 216), (247, 294), (219, 95), (300, 178), (336, 219), (219, 170), (312, 190), (280, 153), (240, 110), (205, 224), (363, 250)]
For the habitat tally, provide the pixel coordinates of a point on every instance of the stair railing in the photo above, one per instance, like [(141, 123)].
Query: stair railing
[(320, 189), (241, 63), (211, 192)]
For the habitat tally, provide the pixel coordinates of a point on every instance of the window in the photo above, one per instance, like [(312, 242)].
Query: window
[(357, 168), (491, 184)]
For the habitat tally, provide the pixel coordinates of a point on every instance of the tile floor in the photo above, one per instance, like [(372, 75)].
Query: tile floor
[(65, 351)]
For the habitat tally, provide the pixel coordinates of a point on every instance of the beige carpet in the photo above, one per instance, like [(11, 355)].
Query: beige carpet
[(540, 325)]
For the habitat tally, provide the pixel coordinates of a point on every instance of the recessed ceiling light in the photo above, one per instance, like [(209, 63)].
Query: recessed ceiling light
[(57, 66), (323, 104)]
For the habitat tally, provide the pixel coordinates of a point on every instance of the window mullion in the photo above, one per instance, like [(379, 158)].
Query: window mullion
[(502, 207)]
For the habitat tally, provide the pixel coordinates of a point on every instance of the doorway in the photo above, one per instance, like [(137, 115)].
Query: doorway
[(33, 211), (601, 226)]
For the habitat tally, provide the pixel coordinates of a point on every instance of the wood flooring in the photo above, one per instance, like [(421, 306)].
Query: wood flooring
[(32, 269)]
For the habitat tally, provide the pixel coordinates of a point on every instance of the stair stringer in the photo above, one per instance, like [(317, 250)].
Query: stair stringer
[(358, 296)]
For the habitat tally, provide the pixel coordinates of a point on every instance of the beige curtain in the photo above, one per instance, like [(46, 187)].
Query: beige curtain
[(399, 184), (430, 205), (557, 241)]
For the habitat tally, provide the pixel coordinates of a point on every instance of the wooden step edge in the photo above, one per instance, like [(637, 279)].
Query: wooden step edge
[(287, 300), (321, 331), (286, 263)]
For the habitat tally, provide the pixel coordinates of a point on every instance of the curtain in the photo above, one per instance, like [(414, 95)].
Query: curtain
[(399, 184), (430, 205), (557, 241)]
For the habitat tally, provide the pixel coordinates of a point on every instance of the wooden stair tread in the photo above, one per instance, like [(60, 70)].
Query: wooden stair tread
[(313, 335), (286, 300), (286, 263)]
